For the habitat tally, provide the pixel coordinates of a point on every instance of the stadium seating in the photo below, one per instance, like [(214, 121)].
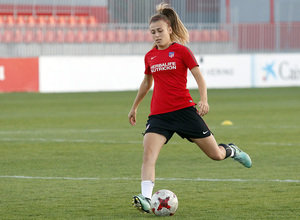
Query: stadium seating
[(80, 36), (31, 20), (148, 36), (49, 36), (130, 35), (109, 36), (7, 36), (17, 38), (72, 21), (20, 20), (140, 36), (80, 29), (41, 20), (60, 37), (98, 36), (82, 20), (10, 20), (69, 37), (39, 36), (51, 20), (90, 36), (29, 36), (120, 36)]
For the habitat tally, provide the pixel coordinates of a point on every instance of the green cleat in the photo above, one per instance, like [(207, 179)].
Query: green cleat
[(141, 203), (241, 156)]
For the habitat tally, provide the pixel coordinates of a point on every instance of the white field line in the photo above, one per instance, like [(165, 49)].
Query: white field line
[(118, 142), (161, 179), (44, 131), (69, 140)]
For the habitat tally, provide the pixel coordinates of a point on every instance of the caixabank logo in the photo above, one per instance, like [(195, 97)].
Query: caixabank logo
[(283, 70)]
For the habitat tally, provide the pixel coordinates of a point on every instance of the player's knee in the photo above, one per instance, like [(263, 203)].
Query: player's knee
[(148, 157)]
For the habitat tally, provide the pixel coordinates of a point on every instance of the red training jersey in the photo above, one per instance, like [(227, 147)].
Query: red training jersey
[(169, 69)]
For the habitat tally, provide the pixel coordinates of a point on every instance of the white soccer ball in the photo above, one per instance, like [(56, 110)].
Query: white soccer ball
[(164, 203)]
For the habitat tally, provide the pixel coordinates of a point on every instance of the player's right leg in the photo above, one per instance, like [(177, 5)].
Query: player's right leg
[(222, 151), (241, 156), (210, 147), (153, 143)]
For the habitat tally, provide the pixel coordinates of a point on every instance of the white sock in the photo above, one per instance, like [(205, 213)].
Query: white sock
[(147, 188), (232, 152)]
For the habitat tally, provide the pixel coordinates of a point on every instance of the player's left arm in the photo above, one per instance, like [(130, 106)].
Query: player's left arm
[(203, 103)]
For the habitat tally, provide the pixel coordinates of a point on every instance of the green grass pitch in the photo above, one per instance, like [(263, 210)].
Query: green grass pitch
[(75, 156)]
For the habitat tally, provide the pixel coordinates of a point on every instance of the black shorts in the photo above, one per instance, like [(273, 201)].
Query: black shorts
[(187, 123)]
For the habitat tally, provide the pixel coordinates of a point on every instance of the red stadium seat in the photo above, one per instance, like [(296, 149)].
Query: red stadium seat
[(31, 20), (20, 20), (70, 36), (2, 20), (192, 35), (18, 36), (224, 35), (130, 35), (91, 20), (201, 36), (215, 35), (80, 36), (219, 35), (52, 20), (7, 36), (60, 36), (82, 20), (39, 36), (62, 20), (28, 36), (120, 36), (72, 21), (139, 36), (205, 36), (42, 20), (195, 35), (50, 36), (90, 36), (10, 20), (109, 36), (148, 37), (99, 36)]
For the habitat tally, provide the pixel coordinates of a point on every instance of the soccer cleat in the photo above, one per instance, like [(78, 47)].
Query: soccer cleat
[(141, 203), (241, 156)]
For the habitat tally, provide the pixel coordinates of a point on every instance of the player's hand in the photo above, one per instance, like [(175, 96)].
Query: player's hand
[(203, 108), (132, 117)]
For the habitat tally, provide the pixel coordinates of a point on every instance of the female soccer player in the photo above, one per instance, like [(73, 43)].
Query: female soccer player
[(172, 108)]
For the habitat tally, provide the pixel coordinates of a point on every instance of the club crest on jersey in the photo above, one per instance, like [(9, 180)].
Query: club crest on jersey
[(171, 54)]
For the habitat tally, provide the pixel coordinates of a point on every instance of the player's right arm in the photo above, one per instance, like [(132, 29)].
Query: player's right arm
[(143, 90)]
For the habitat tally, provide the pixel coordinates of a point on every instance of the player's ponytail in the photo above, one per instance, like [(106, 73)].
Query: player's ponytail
[(168, 15)]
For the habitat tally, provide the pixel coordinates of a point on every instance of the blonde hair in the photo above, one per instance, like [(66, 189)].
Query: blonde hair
[(168, 15)]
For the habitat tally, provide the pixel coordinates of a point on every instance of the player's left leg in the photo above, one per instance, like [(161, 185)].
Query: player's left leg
[(153, 143)]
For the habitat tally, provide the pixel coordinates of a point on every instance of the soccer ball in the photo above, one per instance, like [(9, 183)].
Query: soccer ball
[(164, 203)]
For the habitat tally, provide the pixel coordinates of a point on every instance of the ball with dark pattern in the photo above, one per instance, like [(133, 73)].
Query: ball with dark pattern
[(164, 203)]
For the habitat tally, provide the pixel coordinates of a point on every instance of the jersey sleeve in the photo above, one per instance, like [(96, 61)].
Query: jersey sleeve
[(147, 65), (189, 58)]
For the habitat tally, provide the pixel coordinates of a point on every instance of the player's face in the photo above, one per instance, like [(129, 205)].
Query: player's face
[(161, 32)]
